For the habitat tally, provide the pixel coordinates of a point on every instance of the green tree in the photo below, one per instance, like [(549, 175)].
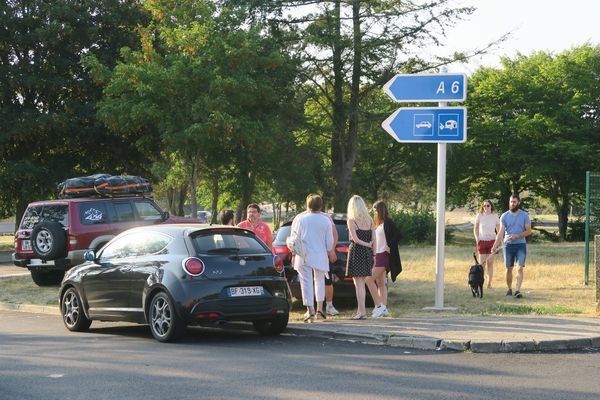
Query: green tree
[(533, 125), (49, 129), (350, 49), (217, 92)]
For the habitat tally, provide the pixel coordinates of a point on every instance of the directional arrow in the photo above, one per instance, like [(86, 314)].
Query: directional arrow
[(428, 125), (427, 87)]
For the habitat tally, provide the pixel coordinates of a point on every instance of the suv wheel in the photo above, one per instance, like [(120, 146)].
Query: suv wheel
[(48, 240), (47, 278)]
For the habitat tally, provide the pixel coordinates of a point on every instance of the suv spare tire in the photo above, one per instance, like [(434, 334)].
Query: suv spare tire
[(48, 240)]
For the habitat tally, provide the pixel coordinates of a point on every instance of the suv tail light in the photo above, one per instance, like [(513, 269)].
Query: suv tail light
[(72, 243), (278, 263), (342, 249), (193, 266)]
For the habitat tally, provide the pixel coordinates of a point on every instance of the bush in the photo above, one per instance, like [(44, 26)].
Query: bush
[(417, 227), (576, 231)]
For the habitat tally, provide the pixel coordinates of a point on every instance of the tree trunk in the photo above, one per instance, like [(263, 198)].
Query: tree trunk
[(21, 206), (181, 194), (215, 196), (193, 182), (562, 210)]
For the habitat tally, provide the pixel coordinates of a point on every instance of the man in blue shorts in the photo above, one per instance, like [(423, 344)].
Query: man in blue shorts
[(515, 226)]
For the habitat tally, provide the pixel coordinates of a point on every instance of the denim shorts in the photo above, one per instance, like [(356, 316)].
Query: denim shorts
[(515, 253)]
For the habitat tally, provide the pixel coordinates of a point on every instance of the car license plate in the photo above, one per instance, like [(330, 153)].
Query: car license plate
[(246, 291), (26, 244)]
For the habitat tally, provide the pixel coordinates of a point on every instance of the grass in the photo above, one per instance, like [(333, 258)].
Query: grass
[(553, 284), (7, 243), (22, 290)]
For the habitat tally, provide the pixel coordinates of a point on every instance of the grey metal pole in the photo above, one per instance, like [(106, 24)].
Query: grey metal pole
[(440, 230)]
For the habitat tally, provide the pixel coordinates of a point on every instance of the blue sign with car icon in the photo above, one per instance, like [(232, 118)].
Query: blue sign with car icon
[(418, 124)]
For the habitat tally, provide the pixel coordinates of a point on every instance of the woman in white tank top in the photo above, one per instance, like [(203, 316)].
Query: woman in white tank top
[(487, 223)]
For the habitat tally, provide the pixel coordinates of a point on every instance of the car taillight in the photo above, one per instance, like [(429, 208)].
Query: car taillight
[(72, 243), (193, 266), (278, 263), (342, 249), (280, 250)]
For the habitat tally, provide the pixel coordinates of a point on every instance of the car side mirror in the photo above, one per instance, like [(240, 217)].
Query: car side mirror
[(89, 255), (165, 215)]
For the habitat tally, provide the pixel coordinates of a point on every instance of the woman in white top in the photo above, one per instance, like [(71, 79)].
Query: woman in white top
[(487, 223), (314, 230)]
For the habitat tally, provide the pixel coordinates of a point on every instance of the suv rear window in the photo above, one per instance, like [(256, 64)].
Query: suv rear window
[(55, 213)]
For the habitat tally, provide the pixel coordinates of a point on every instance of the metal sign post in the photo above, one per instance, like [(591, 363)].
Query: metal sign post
[(433, 125)]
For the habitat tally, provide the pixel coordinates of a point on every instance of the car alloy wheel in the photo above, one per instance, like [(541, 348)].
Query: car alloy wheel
[(72, 311), (165, 324)]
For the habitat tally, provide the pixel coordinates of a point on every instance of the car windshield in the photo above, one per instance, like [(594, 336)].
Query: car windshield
[(49, 213), (227, 241)]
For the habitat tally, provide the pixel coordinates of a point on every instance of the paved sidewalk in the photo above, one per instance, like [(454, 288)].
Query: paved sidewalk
[(464, 333)]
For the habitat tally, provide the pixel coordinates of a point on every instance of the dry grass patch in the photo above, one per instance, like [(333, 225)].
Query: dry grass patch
[(22, 290), (553, 282), (7, 243)]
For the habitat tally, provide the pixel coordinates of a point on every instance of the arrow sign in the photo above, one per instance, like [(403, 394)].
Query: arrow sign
[(428, 125), (427, 87)]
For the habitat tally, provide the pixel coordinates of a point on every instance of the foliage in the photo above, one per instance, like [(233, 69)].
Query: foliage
[(214, 91), (417, 227), (49, 129), (349, 50), (533, 125)]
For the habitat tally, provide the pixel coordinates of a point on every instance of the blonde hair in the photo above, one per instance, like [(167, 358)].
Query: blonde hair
[(357, 210)]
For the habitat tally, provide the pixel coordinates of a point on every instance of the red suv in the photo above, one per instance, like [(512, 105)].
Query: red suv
[(54, 235)]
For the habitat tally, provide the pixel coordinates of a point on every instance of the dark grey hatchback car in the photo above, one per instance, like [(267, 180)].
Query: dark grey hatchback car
[(172, 276)]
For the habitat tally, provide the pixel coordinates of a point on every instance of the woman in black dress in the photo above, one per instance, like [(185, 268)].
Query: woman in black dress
[(360, 255)]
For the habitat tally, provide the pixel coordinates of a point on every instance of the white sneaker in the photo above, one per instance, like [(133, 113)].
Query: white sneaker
[(378, 311), (330, 310), (385, 312)]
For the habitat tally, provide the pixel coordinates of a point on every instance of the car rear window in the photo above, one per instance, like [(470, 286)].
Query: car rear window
[(227, 241), (46, 213)]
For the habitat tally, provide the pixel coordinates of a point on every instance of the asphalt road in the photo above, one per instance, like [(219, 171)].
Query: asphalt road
[(39, 359)]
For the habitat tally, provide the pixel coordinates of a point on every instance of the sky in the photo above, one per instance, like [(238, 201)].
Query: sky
[(550, 25)]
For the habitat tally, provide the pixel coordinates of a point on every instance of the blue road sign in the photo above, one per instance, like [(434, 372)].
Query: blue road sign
[(427, 87), (428, 125)]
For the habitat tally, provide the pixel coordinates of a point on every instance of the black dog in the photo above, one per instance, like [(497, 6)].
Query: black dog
[(476, 278)]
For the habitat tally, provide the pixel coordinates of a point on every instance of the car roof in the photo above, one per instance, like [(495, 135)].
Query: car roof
[(338, 218), (186, 229)]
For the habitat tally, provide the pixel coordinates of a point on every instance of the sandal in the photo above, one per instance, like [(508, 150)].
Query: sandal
[(358, 317), (320, 315), (308, 317)]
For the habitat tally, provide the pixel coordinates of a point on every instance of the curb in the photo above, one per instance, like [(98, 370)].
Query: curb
[(433, 344)]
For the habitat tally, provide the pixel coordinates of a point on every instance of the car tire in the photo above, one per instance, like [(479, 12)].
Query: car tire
[(71, 309), (165, 323), (48, 240), (47, 278), (272, 327)]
